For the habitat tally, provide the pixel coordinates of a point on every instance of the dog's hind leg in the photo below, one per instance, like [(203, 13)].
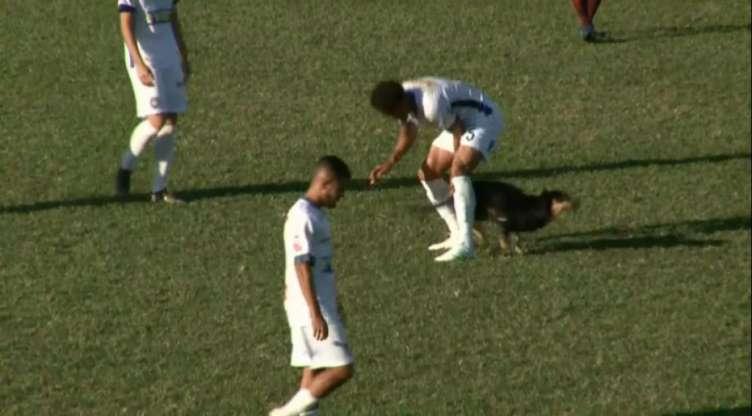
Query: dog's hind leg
[(515, 246), (505, 243), (479, 233)]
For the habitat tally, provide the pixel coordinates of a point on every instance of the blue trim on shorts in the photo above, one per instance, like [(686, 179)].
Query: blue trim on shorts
[(304, 258), (124, 8)]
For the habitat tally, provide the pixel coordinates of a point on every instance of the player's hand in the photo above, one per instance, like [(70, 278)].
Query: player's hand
[(320, 328), (145, 75), (378, 172)]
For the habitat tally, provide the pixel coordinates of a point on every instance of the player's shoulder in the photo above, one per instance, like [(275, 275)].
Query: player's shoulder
[(303, 210)]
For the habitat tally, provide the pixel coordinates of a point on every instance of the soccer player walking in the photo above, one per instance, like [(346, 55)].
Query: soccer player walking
[(470, 122), (157, 63), (319, 340)]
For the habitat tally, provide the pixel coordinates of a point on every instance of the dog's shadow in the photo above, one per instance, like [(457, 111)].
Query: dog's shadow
[(668, 235)]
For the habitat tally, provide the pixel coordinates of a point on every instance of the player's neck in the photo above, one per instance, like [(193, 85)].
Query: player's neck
[(313, 199)]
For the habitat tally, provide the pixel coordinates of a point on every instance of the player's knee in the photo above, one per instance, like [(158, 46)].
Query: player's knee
[(427, 172), (347, 372), (168, 129), (459, 169), (157, 121)]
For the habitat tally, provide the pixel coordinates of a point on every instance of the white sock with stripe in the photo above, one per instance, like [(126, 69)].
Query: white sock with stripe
[(164, 151)]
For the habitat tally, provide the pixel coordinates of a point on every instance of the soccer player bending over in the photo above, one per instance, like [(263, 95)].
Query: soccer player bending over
[(157, 64), (319, 340), (471, 124)]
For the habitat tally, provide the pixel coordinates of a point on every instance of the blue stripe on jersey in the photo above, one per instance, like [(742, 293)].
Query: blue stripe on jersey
[(124, 8), (480, 106)]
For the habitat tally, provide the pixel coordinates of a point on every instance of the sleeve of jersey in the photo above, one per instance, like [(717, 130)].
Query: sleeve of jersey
[(300, 241), (126, 6)]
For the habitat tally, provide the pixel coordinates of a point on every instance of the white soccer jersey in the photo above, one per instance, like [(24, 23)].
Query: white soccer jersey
[(153, 31), (307, 238), (440, 102)]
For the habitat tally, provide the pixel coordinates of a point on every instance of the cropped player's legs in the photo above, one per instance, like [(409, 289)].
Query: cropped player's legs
[(431, 175), (465, 160), (580, 7), (315, 384), (586, 10), (592, 8)]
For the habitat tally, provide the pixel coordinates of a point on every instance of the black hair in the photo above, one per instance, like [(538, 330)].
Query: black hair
[(386, 95), (335, 165)]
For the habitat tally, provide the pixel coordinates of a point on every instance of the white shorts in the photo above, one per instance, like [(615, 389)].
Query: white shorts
[(483, 136), (167, 95), (309, 352)]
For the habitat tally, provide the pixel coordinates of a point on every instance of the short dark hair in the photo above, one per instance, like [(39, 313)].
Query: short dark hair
[(386, 95), (335, 165)]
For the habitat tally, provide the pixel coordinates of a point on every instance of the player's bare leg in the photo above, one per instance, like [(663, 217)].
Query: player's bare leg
[(314, 385), (465, 160), (431, 175)]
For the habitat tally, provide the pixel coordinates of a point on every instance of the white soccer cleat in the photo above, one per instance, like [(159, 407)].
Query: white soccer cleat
[(444, 245), (278, 412), (458, 252)]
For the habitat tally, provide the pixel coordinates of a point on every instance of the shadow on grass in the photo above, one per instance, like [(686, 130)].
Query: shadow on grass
[(609, 166), (649, 236), (707, 226), (359, 185), (673, 32), (738, 411)]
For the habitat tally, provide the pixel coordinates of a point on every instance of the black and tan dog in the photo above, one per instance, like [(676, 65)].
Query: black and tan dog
[(514, 211)]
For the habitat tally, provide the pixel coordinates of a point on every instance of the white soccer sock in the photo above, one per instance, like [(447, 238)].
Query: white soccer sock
[(164, 151), (141, 135), (464, 206), (302, 400), (437, 191)]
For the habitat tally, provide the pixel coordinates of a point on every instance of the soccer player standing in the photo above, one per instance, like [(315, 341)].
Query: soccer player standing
[(157, 63), (470, 122), (319, 340)]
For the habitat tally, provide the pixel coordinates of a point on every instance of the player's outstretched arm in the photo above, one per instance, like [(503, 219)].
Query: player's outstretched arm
[(129, 37), (305, 279), (178, 33), (408, 132)]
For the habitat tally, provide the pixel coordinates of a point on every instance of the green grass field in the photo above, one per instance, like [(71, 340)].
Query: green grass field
[(638, 304)]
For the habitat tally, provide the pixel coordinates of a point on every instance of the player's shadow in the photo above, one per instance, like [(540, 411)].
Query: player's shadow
[(610, 166), (667, 235), (671, 32), (361, 185), (737, 411)]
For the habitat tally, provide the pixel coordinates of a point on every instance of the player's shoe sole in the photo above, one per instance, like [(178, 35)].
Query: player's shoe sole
[(460, 252), (123, 182), (166, 197)]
